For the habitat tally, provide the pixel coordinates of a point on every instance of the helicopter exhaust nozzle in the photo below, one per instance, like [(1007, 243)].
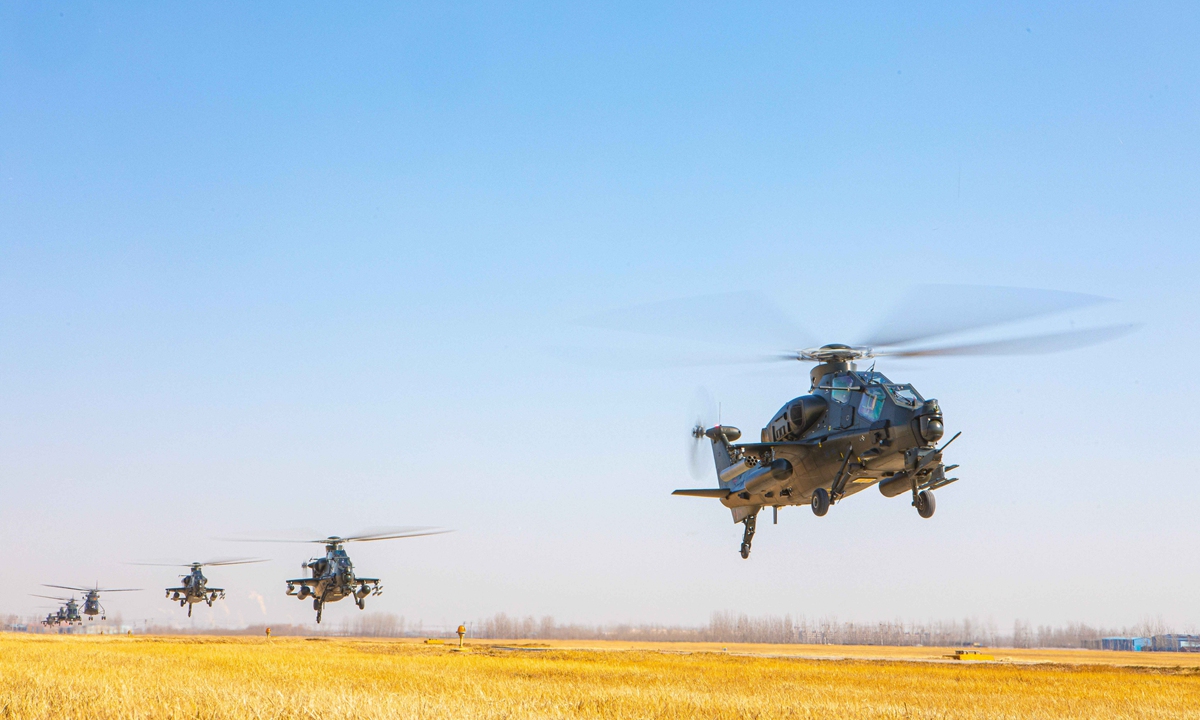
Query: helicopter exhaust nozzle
[(897, 484), (766, 476)]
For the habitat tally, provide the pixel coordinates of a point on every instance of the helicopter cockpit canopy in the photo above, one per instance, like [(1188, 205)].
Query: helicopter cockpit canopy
[(842, 384)]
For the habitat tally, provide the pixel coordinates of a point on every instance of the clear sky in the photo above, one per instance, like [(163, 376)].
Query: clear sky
[(305, 266)]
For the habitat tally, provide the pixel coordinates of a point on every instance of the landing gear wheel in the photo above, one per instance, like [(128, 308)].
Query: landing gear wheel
[(318, 606), (361, 603), (748, 534), (820, 502), (925, 504)]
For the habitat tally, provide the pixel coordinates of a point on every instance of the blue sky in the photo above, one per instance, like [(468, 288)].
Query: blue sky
[(302, 266)]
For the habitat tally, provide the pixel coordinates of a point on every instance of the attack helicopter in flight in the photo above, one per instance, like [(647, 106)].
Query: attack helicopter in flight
[(193, 587), (332, 576), (91, 598), (68, 614), (858, 428)]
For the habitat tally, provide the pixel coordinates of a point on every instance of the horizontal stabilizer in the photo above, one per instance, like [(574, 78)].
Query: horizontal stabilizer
[(705, 492)]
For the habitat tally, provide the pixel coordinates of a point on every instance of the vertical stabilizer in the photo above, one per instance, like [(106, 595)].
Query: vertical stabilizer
[(721, 456)]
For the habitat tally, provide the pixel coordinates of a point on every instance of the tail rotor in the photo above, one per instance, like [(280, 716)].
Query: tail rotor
[(704, 413)]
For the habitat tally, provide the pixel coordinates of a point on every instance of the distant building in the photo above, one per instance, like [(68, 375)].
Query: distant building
[(1176, 643), (1158, 643)]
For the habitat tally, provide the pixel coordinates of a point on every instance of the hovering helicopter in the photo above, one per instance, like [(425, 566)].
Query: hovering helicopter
[(91, 598), (194, 586), (68, 614), (333, 575), (857, 428)]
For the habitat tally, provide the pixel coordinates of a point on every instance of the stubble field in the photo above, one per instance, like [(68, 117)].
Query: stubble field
[(183, 677)]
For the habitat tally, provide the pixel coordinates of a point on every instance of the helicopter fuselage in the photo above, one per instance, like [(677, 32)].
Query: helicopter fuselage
[(68, 614), (91, 604), (332, 578), (854, 430), (194, 589)]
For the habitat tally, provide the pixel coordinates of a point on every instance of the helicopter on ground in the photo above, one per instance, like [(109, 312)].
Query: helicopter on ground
[(91, 598), (332, 576), (859, 428), (194, 586), (68, 614)]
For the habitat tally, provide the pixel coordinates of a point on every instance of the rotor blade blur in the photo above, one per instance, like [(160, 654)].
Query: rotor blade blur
[(108, 590), (50, 597), (231, 561), (271, 540), (930, 311), (67, 587), (623, 358), (722, 319), (218, 561), (407, 533), (1031, 345)]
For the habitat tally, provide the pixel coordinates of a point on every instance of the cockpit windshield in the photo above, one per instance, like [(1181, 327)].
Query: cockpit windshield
[(905, 395), (871, 404), (874, 377), (842, 381)]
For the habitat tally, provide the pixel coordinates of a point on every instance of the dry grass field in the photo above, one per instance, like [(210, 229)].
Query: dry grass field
[(187, 677)]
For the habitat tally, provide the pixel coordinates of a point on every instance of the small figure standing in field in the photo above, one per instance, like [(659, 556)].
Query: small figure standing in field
[(268, 633), (462, 631)]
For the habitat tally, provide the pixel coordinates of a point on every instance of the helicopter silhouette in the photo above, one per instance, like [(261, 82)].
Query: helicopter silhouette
[(193, 587), (67, 614), (332, 576), (91, 598), (855, 428)]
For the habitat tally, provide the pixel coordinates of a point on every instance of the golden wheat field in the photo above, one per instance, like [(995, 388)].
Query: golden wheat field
[(178, 677)]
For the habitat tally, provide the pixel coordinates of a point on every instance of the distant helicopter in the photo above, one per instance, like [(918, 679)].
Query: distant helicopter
[(194, 586), (68, 614), (91, 598), (333, 575), (857, 428)]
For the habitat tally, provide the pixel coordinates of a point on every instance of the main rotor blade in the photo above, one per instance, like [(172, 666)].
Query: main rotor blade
[(376, 534), (712, 319), (1030, 345), (272, 540), (67, 587), (396, 533), (108, 590), (51, 597), (231, 561), (931, 311), (207, 563)]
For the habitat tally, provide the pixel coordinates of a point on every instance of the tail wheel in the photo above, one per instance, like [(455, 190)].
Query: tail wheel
[(925, 504), (820, 502)]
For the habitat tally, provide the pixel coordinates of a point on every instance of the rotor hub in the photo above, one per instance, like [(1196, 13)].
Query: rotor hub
[(834, 353)]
